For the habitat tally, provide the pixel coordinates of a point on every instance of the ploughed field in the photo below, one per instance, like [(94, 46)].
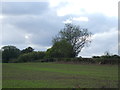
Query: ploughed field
[(55, 75)]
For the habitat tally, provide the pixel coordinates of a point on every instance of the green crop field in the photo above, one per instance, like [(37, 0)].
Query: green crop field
[(54, 75)]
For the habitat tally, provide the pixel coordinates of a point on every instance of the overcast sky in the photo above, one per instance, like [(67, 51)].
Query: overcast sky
[(36, 23)]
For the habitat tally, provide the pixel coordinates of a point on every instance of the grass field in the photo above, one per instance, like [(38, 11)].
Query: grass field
[(52, 75)]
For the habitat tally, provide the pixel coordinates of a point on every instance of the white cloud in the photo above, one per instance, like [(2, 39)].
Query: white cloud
[(25, 0), (101, 42), (80, 7), (81, 19), (28, 38), (106, 35), (36, 29), (67, 21), (12, 34), (54, 3), (38, 47), (1, 17)]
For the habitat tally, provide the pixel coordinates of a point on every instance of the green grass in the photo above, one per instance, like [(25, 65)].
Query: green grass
[(52, 75)]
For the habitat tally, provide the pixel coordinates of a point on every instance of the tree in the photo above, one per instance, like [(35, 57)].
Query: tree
[(27, 50), (9, 52), (74, 35), (60, 49)]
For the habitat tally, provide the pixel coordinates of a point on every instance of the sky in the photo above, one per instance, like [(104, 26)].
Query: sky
[(35, 24)]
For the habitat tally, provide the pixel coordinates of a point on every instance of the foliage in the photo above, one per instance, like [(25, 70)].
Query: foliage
[(107, 59), (32, 56), (95, 56), (9, 52), (60, 49), (75, 35), (99, 60), (27, 50)]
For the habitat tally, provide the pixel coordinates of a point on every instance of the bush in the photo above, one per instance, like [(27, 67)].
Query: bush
[(32, 56), (90, 60), (61, 49), (96, 57)]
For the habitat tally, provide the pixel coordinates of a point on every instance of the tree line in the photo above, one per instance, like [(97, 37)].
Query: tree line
[(11, 54), (68, 43)]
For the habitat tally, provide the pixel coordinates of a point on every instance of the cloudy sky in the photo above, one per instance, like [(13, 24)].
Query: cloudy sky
[(36, 23)]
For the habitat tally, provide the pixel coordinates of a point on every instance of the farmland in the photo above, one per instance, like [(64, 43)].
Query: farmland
[(55, 75)]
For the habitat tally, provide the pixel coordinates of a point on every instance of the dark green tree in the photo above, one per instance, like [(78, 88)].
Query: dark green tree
[(9, 52), (74, 35), (27, 50), (60, 49)]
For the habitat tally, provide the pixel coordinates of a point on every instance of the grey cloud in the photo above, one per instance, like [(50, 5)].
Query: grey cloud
[(102, 23), (21, 8), (99, 23), (101, 43), (43, 24), (12, 35), (42, 28)]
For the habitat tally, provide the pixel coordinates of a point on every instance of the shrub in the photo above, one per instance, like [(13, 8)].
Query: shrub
[(96, 57), (32, 56), (61, 49)]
